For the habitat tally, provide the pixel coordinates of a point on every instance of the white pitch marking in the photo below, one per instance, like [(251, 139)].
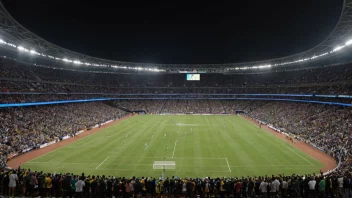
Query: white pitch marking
[(173, 153), (200, 158), (240, 166), (102, 162), (228, 164), (65, 146), (298, 154)]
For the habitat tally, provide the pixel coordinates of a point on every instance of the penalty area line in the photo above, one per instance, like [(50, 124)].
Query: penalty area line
[(297, 154), (102, 162), (173, 153), (228, 164)]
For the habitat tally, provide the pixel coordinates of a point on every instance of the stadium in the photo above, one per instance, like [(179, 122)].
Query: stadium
[(279, 127)]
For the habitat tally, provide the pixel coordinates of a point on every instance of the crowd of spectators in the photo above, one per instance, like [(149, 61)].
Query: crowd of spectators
[(173, 106), (8, 86), (17, 77), (21, 98), (11, 69), (33, 184)]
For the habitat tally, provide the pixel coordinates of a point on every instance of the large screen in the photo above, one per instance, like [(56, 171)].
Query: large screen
[(193, 76)]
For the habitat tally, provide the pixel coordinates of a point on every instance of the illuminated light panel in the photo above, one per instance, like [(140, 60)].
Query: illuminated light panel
[(77, 62), (349, 42), (338, 48), (22, 49), (34, 52)]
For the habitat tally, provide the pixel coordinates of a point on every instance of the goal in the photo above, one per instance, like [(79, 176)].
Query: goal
[(164, 165)]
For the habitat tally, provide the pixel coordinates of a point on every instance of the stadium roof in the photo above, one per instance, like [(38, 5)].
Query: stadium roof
[(14, 35)]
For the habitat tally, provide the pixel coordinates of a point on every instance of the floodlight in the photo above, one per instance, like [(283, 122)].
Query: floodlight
[(338, 48), (348, 42), (77, 62), (20, 48)]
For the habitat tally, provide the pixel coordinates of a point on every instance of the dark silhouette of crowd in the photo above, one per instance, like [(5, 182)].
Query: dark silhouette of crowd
[(39, 184)]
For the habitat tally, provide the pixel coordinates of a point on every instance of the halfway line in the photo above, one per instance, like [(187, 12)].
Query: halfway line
[(173, 153), (102, 162)]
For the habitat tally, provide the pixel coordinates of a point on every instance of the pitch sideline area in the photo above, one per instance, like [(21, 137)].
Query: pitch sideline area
[(199, 146)]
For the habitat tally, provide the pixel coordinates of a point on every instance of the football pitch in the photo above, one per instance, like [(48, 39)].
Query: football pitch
[(209, 145)]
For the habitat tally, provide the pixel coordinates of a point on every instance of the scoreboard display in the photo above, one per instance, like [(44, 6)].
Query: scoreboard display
[(193, 77)]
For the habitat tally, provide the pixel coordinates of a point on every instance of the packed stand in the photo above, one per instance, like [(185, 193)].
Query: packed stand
[(27, 183), (12, 69), (9, 86)]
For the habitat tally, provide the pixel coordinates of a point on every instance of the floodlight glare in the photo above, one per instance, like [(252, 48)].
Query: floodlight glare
[(20, 48), (348, 42), (338, 48), (77, 62), (67, 60)]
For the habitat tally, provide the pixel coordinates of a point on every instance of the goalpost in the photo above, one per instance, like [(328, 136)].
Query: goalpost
[(164, 165)]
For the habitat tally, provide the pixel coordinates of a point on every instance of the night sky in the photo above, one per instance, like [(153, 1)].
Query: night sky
[(180, 31)]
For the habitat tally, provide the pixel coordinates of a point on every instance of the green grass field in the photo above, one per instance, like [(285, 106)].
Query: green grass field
[(206, 149)]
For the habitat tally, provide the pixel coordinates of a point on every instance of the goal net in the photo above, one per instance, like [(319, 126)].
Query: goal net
[(164, 165)]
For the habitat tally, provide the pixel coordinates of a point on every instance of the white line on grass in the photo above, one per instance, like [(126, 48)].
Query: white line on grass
[(292, 149), (62, 162), (102, 162), (65, 146), (70, 144), (185, 158), (136, 170), (271, 165), (181, 124), (228, 165), (151, 170), (173, 153), (298, 154), (141, 164)]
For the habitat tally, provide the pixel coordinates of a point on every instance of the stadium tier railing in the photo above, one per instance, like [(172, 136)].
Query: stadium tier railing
[(6, 105), (178, 94)]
